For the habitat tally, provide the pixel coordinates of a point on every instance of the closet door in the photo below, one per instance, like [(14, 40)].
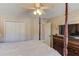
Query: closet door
[(15, 31)]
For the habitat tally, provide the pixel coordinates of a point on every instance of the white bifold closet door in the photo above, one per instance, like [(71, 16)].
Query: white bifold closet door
[(15, 31)]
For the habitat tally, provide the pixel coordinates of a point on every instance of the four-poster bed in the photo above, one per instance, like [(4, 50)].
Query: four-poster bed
[(66, 45), (65, 51), (65, 40), (39, 28), (73, 45)]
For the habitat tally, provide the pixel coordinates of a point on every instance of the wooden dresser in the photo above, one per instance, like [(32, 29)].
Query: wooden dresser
[(73, 45)]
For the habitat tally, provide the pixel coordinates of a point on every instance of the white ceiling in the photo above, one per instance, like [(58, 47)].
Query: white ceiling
[(19, 9)]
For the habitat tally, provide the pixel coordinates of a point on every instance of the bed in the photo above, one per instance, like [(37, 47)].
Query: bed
[(27, 48)]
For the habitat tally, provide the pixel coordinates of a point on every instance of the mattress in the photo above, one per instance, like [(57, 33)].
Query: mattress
[(27, 48)]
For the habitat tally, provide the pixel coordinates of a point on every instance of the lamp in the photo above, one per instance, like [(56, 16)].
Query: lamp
[(38, 12)]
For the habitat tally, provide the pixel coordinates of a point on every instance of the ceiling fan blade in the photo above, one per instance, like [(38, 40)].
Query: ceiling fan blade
[(45, 7), (37, 5), (29, 8)]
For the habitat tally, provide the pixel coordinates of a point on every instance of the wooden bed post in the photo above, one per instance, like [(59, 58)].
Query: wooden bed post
[(39, 28), (65, 50)]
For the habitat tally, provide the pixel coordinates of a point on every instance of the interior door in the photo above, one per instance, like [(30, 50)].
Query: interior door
[(47, 32), (15, 31)]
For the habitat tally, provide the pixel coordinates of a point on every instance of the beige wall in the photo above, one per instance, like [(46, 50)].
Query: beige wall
[(32, 28), (73, 18), (1, 29)]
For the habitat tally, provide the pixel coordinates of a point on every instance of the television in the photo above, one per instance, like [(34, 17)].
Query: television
[(73, 29)]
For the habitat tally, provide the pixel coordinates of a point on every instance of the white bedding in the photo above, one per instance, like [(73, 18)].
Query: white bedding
[(27, 48)]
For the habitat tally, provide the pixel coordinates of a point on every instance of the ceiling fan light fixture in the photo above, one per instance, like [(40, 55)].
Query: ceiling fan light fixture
[(37, 12)]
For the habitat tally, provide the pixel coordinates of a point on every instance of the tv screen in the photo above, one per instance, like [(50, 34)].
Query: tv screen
[(73, 29)]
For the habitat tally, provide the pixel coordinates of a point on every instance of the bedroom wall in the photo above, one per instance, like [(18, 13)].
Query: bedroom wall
[(1, 29), (59, 20), (58, 17), (16, 13), (31, 25), (34, 28), (73, 17)]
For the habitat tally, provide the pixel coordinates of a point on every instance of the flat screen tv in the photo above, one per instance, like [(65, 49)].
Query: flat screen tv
[(73, 29)]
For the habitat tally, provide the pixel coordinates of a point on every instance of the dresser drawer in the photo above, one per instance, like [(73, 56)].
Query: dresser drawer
[(73, 50)]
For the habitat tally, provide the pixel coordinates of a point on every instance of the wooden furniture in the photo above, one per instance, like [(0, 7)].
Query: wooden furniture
[(73, 45), (65, 50)]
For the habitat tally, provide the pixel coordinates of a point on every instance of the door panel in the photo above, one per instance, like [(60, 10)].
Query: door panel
[(46, 32), (15, 31)]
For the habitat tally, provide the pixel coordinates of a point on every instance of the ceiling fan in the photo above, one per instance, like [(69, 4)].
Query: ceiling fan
[(38, 8)]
